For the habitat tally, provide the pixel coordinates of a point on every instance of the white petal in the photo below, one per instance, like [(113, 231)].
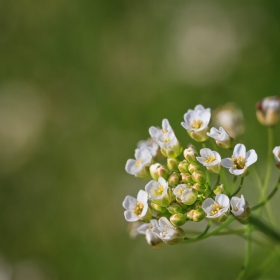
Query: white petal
[(166, 125), (151, 186), (236, 172), (142, 229), (144, 211), (163, 222), (153, 131), (129, 166), (222, 200), (251, 157), (226, 162), (161, 181), (130, 217), (217, 156), (201, 160), (129, 202), (206, 153), (207, 205), (239, 150), (142, 196)]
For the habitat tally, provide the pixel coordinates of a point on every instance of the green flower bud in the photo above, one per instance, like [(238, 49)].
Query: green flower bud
[(187, 178), (199, 187), (199, 177), (172, 164), (178, 219), (174, 208), (158, 208), (174, 179), (157, 170), (193, 167), (196, 215), (190, 154), (219, 189), (200, 136), (183, 166)]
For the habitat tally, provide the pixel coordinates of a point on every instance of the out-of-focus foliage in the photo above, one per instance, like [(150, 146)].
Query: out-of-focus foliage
[(80, 84)]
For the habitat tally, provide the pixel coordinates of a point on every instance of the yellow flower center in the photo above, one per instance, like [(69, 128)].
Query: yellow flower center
[(216, 208), (138, 208), (209, 159), (166, 140), (181, 191), (196, 124), (159, 191), (164, 131), (138, 162), (238, 163)]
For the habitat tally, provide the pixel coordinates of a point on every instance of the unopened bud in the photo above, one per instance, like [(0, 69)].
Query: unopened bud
[(196, 215), (193, 167), (199, 177), (219, 189), (158, 208), (157, 170), (178, 219), (174, 208), (183, 166), (172, 164), (190, 154), (174, 179), (268, 111), (276, 153), (199, 187), (187, 178)]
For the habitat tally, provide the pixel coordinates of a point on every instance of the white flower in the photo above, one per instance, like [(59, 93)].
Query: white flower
[(276, 152), (210, 159), (240, 160), (185, 195), (158, 192), (196, 122), (137, 208), (166, 139), (147, 230), (217, 209), (167, 232), (223, 140), (150, 144), (239, 207), (139, 167), (268, 110)]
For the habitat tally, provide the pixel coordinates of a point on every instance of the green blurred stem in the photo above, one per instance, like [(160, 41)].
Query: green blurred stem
[(264, 228), (239, 188), (269, 197), (218, 180), (269, 161), (217, 230), (232, 184), (247, 251)]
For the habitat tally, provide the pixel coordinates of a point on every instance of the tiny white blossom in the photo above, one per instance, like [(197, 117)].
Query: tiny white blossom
[(268, 110), (166, 139), (210, 159), (223, 140), (147, 230), (185, 195), (167, 232), (150, 144), (158, 192), (276, 153), (217, 209), (240, 160), (139, 167), (196, 122), (136, 208), (239, 207)]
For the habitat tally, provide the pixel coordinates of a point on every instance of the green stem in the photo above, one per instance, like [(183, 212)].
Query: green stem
[(232, 185), (247, 252), (217, 230), (264, 228), (218, 180), (269, 197), (269, 161), (239, 188)]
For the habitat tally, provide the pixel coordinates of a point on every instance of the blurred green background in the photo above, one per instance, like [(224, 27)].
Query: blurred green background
[(80, 84)]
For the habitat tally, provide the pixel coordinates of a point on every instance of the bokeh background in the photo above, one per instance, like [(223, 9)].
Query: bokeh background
[(80, 84)]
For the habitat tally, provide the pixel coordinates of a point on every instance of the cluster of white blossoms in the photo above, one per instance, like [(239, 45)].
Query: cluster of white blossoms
[(179, 189)]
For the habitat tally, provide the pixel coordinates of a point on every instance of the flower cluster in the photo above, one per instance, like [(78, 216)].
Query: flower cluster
[(179, 188)]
